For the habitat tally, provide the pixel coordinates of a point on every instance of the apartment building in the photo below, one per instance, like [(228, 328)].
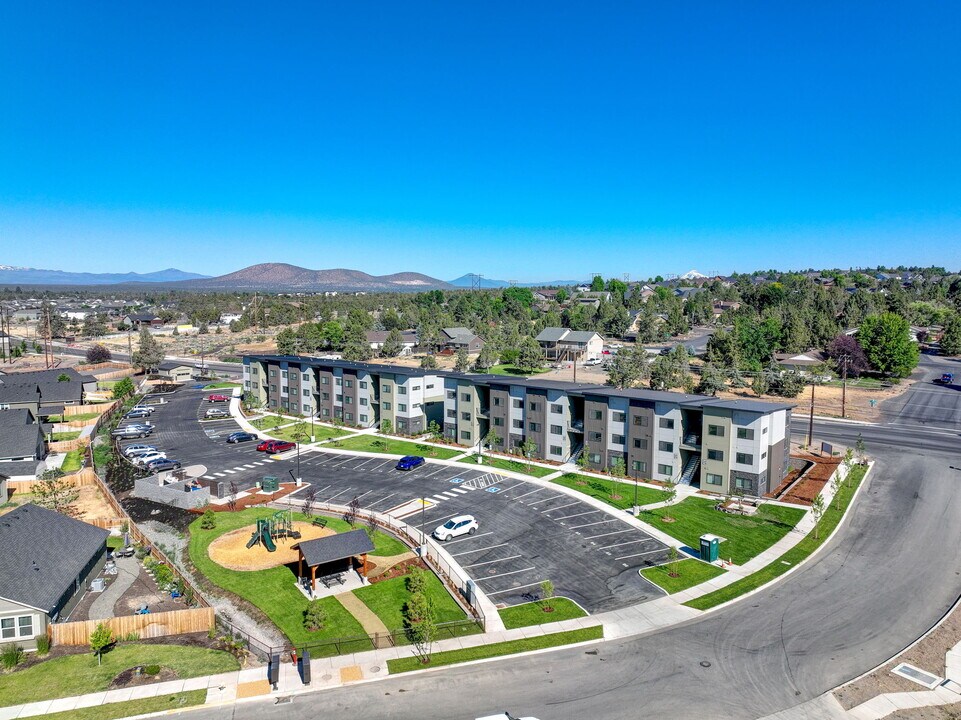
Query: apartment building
[(725, 446)]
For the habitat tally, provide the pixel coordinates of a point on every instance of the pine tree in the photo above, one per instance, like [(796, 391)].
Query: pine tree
[(148, 354)]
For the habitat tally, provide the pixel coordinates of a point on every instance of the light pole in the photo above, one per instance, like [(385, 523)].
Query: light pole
[(636, 508), (299, 481), (423, 537)]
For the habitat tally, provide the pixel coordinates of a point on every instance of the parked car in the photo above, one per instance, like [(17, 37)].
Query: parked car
[(216, 413), (218, 398), (162, 464), (136, 448), (456, 526), (135, 413), (592, 362), (409, 462), (133, 431), (147, 457), (145, 408), (276, 446), (239, 437)]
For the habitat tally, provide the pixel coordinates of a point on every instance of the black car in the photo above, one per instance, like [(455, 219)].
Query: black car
[(239, 437)]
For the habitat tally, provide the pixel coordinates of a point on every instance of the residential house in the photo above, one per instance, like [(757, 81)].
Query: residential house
[(176, 372), (376, 339), (565, 344), (44, 578), (454, 338), (722, 306), (137, 320), (801, 362), (21, 437)]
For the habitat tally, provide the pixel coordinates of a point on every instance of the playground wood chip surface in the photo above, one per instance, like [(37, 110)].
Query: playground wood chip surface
[(230, 549)]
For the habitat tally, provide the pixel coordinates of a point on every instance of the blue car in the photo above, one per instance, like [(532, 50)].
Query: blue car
[(409, 462)]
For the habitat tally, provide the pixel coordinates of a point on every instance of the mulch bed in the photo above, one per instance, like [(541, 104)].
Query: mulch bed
[(399, 570), (130, 678), (252, 500), (814, 481), (141, 510)]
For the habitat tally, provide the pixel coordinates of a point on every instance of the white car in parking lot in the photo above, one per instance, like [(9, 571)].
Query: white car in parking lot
[(147, 457), (460, 525)]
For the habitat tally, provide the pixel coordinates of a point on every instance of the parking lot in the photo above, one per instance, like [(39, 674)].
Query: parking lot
[(527, 533)]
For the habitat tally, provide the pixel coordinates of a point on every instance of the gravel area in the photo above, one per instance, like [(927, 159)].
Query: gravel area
[(942, 712), (927, 655)]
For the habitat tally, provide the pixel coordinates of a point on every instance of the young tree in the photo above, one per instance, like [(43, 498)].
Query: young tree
[(208, 521), (491, 439), (100, 640), (547, 596), (671, 496), (416, 580), (434, 429), (859, 448), (353, 509), (315, 616), (123, 388), (419, 621), (487, 357), (528, 448), (462, 360), (760, 384), (148, 354), (531, 355), (428, 362), (371, 526), (386, 426), (232, 497), (55, 492), (310, 497), (817, 511), (951, 339), (886, 339), (672, 561), (98, 354), (393, 344)]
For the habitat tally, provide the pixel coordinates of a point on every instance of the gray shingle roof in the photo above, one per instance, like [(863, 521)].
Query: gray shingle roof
[(18, 441), (15, 417), (551, 334), (19, 393), (51, 552), (336, 547), (39, 377), (171, 365), (20, 469)]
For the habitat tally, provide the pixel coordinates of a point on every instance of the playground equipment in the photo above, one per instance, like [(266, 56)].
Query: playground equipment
[(279, 525)]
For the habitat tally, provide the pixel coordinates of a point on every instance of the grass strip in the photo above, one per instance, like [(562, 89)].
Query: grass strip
[(372, 443), (616, 494), (72, 461), (690, 572), (533, 613), (511, 465), (510, 647), (127, 708), (793, 557)]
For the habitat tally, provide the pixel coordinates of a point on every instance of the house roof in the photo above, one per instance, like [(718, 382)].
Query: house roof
[(19, 393), (15, 417), (38, 377), (459, 334), (61, 392), (171, 365), (142, 317), (20, 468), (52, 551), (551, 334), (335, 547), (18, 441), (379, 336)]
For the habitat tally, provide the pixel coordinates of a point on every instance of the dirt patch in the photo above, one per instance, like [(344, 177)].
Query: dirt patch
[(927, 655), (230, 549), (398, 569), (379, 565), (813, 481), (131, 677), (943, 712), (254, 499)]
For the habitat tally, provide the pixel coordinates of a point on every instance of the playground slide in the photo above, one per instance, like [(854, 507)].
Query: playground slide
[(266, 539), (254, 539)]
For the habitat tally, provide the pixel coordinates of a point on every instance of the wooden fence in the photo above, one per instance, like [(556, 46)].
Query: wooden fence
[(152, 625), (84, 476), (117, 374), (99, 408), (101, 366), (64, 446)]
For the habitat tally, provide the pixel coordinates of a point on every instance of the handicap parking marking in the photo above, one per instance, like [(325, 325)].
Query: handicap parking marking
[(480, 549), (598, 522), (493, 489), (491, 562), (455, 480), (575, 502), (469, 537)]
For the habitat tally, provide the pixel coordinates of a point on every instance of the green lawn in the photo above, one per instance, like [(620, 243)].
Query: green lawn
[(80, 674), (601, 489), (274, 591), (518, 466), (533, 613), (746, 535), (269, 422), (387, 598), (793, 557), (61, 436), (128, 708), (321, 432), (514, 370), (114, 542), (481, 652), (72, 461), (691, 572), (221, 386), (372, 443), (73, 418)]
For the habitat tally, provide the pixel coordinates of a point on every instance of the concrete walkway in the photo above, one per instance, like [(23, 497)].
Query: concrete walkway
[(128, 570), (372, 624)]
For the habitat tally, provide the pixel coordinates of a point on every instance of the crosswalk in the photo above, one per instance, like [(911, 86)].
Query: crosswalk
[(224, 472)]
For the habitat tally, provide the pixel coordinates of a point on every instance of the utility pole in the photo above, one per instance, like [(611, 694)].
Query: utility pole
[(129, 346), (811, 419), (844, 385)]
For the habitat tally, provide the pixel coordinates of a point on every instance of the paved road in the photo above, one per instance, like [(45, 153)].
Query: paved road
[(926, 403), (887, 577)]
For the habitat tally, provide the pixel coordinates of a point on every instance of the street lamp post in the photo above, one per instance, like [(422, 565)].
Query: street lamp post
[(423, 537), (299, 481)]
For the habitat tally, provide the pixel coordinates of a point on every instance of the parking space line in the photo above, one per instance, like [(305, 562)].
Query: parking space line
[(613, 532), (386, 462), (268, 460), (536, 490), (575, 502), (376, 502), (358, 497), (512, 487), (626, 542), (586, 512), (467, 552), (649, 552), (439, 470), (519, 587), (448, 493), (322, 489), (229, 472), (364, 463), (239, 468), (599, 522), (512, 572), (491, 562), (249, 467), (208, 477), (340, 493), (471, 537), (219, 474), (546, 500), (257, 462)]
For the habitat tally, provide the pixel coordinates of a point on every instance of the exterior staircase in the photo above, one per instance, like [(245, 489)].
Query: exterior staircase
[(690, 470)]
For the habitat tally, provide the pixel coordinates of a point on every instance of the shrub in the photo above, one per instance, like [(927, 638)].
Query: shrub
[(98, 353), (416, 581), (315, 616), (43, 644), (209, 520), (151, 669), (131, 637), (11, 655)]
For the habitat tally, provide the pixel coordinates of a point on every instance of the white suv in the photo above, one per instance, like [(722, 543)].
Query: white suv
[(460, 525)]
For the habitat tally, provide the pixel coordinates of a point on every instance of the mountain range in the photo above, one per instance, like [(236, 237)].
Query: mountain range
[(32, 276), (281, 276), (465, 281)]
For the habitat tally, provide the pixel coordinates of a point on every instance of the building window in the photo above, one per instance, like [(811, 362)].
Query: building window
[(595, 458), (639, 466), (640, 421), (597, 414), (713, 479), (283, 374), (273, 388), (465, 397), (385, 389), (349, 400), (362, 418), (666, 423), (534, 427), (595, 437), (401, 390), (324, 380), (763, 455), (557, 450), (715, 430), (452, 414), (617, 439), (306, 392), (451, 395), (556, 430), (744, 459), (326, 412), (665, 446), (518, 403), (306, 377), (385, 405), (715, 455), (745, 434), (293, 407), (764, 431), (640, 443), (429, 386), (666, 470), (362, 384), (497, 402), (325, 396), (465, 434), (415, 388), (742, 483), (306, 409), (363, 401), (349, 416), (617, 416), (556, 408), (465, 416), (273, 373), (498, 422), (340, 398), (401, 407), (338, 382), (517, 424), (532, 406), (348, 383)]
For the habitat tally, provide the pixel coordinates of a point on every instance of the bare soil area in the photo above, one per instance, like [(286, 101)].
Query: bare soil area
[(927, 655), (230, 549), (804, 492), (943, 712)]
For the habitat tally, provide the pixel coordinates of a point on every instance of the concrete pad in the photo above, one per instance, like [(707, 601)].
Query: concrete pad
[(197, 683), (352, 673), (91, 699), (62, 704), (253, 689), (35, 708), (144, 691), (9, 713)]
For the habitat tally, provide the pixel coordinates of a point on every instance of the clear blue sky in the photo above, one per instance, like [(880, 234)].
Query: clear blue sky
[(521, 140)]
